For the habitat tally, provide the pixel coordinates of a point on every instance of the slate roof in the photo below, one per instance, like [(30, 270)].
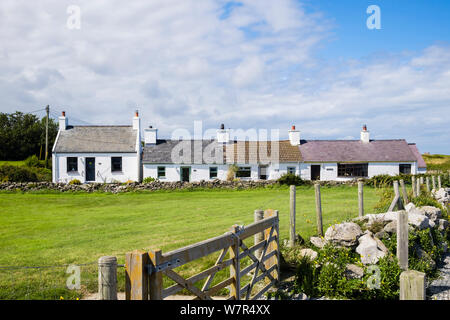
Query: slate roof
[(356, 151), (96, 139), (420, 162), (162, 151)]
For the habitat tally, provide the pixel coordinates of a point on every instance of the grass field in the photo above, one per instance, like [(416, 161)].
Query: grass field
[(437, 162), (57, 229)]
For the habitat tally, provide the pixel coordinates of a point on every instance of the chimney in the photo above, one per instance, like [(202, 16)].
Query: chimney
[(63, 121), (294, 136), (136, 121), (365, 135), (223, 135), (150, 135)]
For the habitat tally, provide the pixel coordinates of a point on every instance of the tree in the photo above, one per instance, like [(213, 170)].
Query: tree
[(23, 134)]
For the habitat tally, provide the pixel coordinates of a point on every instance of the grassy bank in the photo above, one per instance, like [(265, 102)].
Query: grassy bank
[(58, 229)]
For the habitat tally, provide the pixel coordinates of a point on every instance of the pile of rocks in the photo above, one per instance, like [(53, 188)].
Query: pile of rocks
[(442, 195), (130, 187)]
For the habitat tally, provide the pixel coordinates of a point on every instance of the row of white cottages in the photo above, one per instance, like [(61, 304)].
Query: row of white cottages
[(117, 154)]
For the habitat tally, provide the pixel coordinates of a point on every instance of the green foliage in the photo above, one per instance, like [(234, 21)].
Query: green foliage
[(437, 162), (426, 200), (23, 135), (386, 195), (17, 174), (290, 179), (33, 162), (148, 179)]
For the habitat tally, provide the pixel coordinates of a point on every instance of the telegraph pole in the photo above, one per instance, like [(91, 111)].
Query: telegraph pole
[(47, 110)]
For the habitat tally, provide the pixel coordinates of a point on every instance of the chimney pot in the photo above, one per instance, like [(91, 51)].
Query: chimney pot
[(222, 126), (63, 113), (136, 113), (293, 127)]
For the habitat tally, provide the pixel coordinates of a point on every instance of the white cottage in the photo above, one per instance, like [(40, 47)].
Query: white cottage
[(97, 153)]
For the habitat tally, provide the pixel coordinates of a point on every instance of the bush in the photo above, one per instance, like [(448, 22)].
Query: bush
[(148, 180), (33, 162), (17, 174), (290, 179), (75, 181)]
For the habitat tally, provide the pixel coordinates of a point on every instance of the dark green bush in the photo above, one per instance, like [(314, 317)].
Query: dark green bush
[(290, 179), (33, 162), (17, 174)]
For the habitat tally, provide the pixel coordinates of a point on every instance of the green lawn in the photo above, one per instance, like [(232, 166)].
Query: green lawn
[(55, 229)]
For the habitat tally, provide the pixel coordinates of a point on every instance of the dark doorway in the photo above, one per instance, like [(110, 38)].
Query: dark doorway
[(263, 172), (315, 172), (185, 174), (90, 169)]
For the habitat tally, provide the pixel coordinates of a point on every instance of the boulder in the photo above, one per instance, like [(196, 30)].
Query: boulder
[(391, 216), (343, 235), (319, 242), (382, 234), (311, 254), (443, 224), (410, 206), (391, 227), (432, 213), (352, 271), (370, 249), (418, 220)]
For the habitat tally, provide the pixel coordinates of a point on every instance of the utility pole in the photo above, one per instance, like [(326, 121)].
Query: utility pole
[(47, 110)]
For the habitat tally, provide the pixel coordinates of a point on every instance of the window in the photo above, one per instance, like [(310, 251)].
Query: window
[(116, 164), (72, 164), (212, 172), (161, 172), (405, 168), (244, 172), (353, 170), (291, 170)]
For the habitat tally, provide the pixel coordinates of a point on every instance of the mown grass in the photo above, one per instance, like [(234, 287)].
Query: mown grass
[(58, 229)]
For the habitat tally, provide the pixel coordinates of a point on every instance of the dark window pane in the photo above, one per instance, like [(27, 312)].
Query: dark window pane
[(405, 168), (353, 170), (212, 172), (243, 172), (161, 172), (291, 170), (116, 164), (72, 164)]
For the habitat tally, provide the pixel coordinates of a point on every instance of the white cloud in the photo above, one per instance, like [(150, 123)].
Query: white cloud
[(180, 61)]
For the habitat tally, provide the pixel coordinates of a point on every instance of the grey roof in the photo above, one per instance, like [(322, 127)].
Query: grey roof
[(420, 162), (199, 151), (96, 139), (356, 151)]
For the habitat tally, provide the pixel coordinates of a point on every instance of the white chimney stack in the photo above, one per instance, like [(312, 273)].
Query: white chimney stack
[(223, 135), (136, 121), (63, 122), (150, 135), (294, 136), (365, 135)]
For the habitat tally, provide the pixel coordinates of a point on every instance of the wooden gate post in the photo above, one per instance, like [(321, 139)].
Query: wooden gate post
[(235, 267), (402, 239), (413, 185), (274, 245), (258, 237), (404, 193), (433, 181), (136, 275), (155, 278), (361, 197), (412, 285), (318, 209), (428, 184), (292, 195), (107, 278), (418, 188), (439, 182)]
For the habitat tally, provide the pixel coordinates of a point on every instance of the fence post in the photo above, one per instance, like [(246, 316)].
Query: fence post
[(235, 287), (414, 186), (136, 275), (107, 278), (404, 193), (397, 201), (318, 209), (418, 188), (439, 182), (155, 285), (433, 181), (412, 285), (258, 237), (421, 180), (402, 240), (361, 197), (292, 195), (428, 184)]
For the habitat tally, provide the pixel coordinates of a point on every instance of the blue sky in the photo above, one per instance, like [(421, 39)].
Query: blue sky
[(260, 64)]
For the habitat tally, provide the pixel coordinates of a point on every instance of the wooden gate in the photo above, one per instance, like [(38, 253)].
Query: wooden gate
[(145, 270)]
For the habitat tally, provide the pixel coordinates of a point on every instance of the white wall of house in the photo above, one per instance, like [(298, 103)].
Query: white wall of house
[(103, 173), (329, 171), (173, 171)]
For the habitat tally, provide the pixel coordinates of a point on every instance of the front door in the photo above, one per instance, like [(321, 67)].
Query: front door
[(90, 169), (315, 172), (263, 172), (185, 174)]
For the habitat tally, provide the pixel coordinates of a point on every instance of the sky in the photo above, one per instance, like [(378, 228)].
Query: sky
[(248, 64)]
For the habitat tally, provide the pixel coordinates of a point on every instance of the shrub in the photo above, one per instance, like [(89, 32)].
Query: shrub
[(426, 200), (290, 179), (33, 162), (75, 181), (231, 174), (148, 180), (17, 174), (386, 196)]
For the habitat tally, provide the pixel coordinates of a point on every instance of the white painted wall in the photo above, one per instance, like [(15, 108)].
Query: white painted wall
[(130, 169), (173, 173)]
